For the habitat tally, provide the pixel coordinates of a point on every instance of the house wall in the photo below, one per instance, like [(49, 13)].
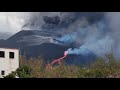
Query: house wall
[(7, 64)]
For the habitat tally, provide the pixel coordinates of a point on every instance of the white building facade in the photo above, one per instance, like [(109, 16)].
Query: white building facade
[(9, 61)]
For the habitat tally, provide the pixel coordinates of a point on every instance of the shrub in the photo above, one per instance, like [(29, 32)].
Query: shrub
[(24, 72), (11, 75)]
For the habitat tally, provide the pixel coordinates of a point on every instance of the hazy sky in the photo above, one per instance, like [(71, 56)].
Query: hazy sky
[(12, 21)]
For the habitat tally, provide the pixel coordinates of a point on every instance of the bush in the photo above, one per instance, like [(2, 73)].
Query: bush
[(11, 75), (24, 72)]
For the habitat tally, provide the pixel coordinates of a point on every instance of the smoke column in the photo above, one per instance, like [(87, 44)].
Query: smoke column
[(100, 38)]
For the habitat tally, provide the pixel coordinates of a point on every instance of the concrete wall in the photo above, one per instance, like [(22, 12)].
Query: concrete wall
[(7, 64)]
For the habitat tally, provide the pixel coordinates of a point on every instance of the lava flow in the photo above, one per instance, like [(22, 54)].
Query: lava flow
[(57, 60)]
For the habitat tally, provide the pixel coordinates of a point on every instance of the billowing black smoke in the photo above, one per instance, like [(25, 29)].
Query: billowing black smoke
[(90, 32)]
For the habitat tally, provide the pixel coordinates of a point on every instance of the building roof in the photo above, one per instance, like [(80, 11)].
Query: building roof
[(10, 48)]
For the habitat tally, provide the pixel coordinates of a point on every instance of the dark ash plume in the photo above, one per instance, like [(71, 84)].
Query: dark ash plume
[(96, 32)]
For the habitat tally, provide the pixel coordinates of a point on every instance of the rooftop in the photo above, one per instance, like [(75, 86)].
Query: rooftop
[(10, 48)]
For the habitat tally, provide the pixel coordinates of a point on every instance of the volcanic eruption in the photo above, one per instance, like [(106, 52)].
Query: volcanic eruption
[(87, 34)]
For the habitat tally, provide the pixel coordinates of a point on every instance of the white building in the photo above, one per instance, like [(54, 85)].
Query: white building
[(9, 61)]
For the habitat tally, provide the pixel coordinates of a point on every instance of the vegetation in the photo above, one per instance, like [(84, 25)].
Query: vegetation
[(35, 68)]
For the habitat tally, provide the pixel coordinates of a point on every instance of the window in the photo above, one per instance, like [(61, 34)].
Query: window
[(2, 54), (11, 55), (2, 72)]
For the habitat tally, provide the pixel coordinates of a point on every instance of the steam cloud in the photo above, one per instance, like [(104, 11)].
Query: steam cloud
[(96, 32)]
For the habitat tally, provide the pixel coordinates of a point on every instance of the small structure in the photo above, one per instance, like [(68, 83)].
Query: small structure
[(9, 61)]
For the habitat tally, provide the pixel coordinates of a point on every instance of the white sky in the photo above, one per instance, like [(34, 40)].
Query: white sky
[(12, 21)]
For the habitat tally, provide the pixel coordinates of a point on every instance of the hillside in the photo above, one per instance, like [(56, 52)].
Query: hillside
[(32, 46), (5, 35)]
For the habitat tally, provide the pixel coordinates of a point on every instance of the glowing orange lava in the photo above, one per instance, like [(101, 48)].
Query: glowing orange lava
[(57, 60)]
